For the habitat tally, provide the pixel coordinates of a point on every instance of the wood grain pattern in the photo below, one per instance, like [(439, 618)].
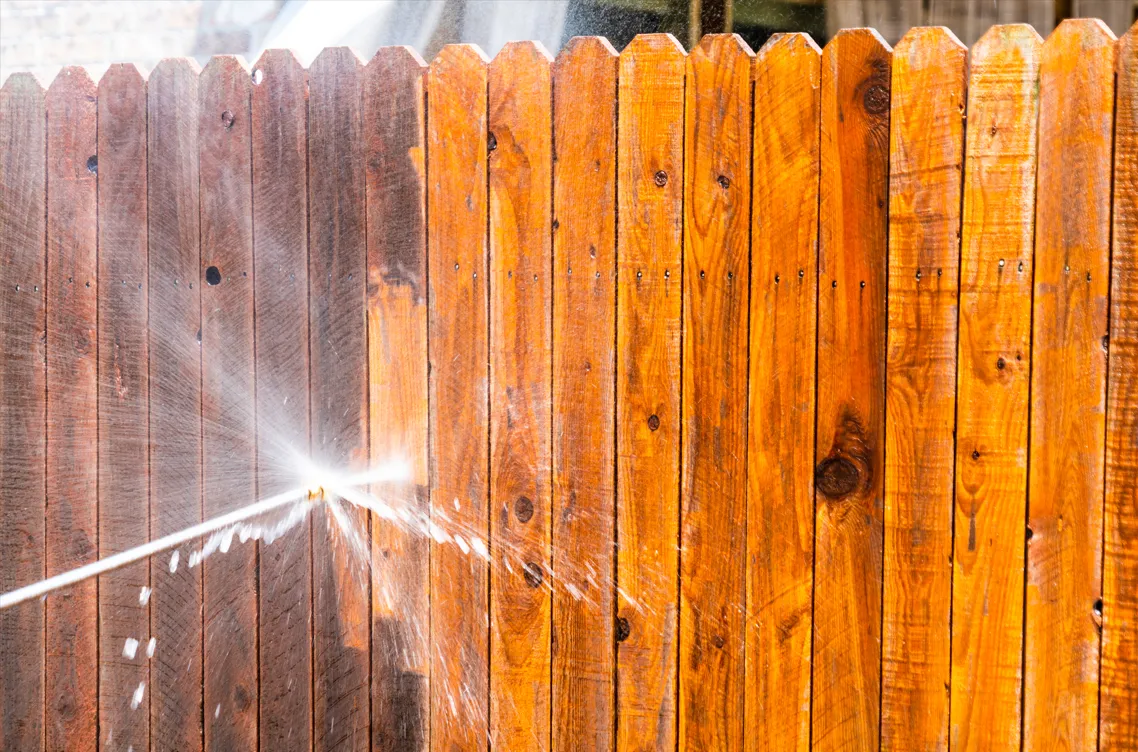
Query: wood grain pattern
[(71, 688), (521, 292), (397, 354), (229, 581), (780, 446), (717, 233), (992, 383), (1118, 712), (584, 330), (1068, 371), (337, 290), (851, 390), (174, 321), (124, 390), (22, 415), (459, 337), (649, 323), (280, 312), (926, 168)]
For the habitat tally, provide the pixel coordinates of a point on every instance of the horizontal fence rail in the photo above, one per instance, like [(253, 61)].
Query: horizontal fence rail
[(750, 401)]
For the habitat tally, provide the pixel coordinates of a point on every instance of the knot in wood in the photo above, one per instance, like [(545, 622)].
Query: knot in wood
[(523, 508), (876, 100), (836, 477), (533, 574), (623, 629)]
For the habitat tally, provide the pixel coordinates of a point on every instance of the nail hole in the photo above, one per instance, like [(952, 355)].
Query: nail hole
[(862, 285), (491, 142), (1106, 343), (653, 422), (213, 276), (975, 454), (801, 273), (702, 274), (227, 119), (1000, 363), (834, 283), (93, 164), (1098, 607), (661, 178), (258, 76), (1001, 263), (724, 182), (1029, 533)]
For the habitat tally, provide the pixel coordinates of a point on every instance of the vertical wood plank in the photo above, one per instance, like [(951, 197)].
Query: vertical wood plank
[(1118, 714), (337, 269), (993, 376), (780, 446), (1068, 371), (397, 353), (649, 310), (23, 320), (229, 583), (459, 337), (174, 323), (124, 390), (717, 227), (280, 312), (851, 390), (521, 259), (926, 167), (584, 333), (71, 684)]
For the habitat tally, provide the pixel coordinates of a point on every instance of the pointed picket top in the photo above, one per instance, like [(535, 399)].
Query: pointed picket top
[(397, 58), (173, 66), (122, 74), (335, 57), (579, 49), (226, 64), (928, 41), (1127, 48), (722, 46), (859, 38), (653, 45), (521, 53), (1087, 33), (1020, 37), (275, 59), (459, 56), (22, 83), (72, 79), (789, 44)]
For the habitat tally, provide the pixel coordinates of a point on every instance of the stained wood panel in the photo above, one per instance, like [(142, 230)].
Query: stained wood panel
[(1068, 371), (780, 445), (926, 168), (459, 341), (229, 581), (850, 444), (584, 333), (174, 319), (71, 688), (650, 166), (280, 312), (1118, 711), (993, 375), (124, 390), (22, 380)]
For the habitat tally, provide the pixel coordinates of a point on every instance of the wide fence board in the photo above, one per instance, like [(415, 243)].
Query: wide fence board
[(1118, 710), (650, 163), (926, 166), (71, 681), (22, 417), (394, 120), (459, 342), (583, 399), (850, 442), (780, 447), (1063, 612), (280, 312), (993, 376), (174, 255)]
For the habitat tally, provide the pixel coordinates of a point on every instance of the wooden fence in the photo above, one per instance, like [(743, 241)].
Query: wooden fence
[(794, 393)]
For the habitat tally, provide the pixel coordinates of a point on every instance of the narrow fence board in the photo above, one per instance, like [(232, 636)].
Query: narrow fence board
[(337, 269), (229, 583), (124, 390), (780, 446), (925, 172), (1118, 713), (1068, 370), (280, 312), (993, 376), (584, 333), (850, 439), (648, 347), (23, 320), (459, 337), (717, 232), (174, 322), (397, 354), (71, 684), (521, 259)]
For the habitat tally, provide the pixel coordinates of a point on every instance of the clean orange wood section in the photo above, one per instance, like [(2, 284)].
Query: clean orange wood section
[(713, 547), (993, 376), (1062, 631), (71, 685), (925, 174), (780, 447), (584, 361), (459, 341), (649, 289), (394, 120), (850, 443), (1118, 712)]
